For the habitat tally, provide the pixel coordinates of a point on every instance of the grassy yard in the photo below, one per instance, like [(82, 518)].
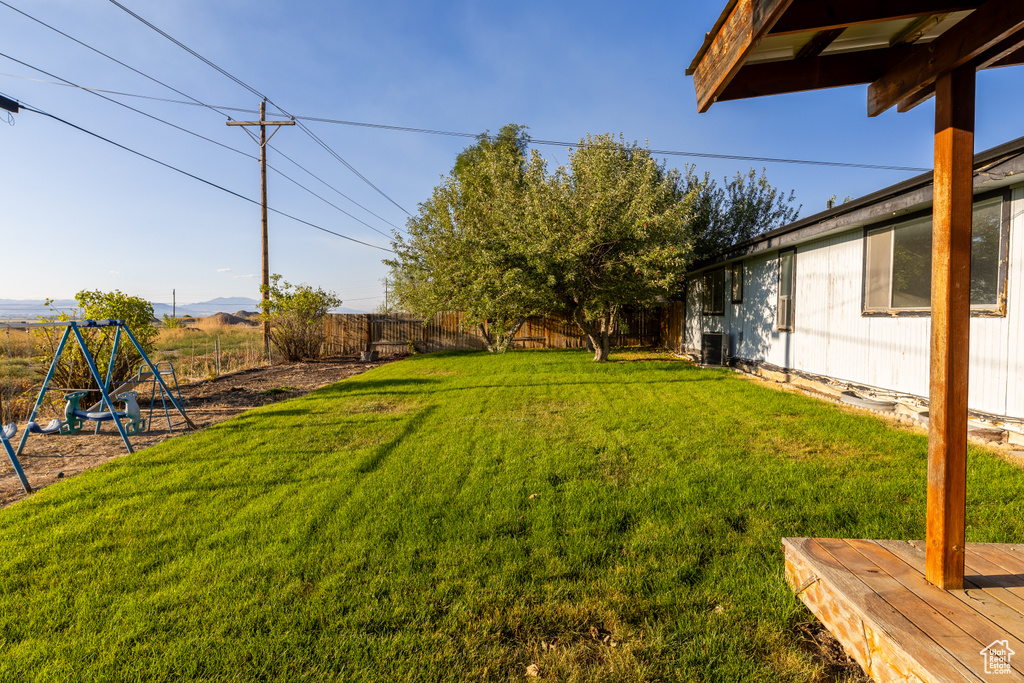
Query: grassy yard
[(458, 517)]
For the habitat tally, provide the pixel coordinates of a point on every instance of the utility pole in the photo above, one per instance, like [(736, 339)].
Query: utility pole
[(174, 303), (263, 123)]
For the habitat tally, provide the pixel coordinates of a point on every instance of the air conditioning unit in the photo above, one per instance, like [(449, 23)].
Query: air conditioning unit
[(714, 348)]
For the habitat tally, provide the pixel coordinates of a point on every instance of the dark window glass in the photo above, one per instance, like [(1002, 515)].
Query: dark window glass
[(912, 264), (737, 282), (898, 268), (714, 292), (787, 287)]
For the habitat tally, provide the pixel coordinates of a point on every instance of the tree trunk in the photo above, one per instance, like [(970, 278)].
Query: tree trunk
[(506, 341), (597, 339), (488, 342)]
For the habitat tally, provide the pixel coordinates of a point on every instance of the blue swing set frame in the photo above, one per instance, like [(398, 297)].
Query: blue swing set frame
[(72, 329)]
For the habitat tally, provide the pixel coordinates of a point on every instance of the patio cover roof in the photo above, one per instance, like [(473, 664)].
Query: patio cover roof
[(899, 47), (906, 50)]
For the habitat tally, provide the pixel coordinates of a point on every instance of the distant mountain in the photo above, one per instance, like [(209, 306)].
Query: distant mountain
[(30, 309)]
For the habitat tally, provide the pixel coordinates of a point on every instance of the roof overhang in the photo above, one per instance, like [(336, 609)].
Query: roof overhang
[(898, 47), (995, 168)]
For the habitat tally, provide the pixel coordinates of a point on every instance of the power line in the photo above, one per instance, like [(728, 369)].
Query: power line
[(97, 91), (449, 133), (113, 59), (263, 97), (129, 107), (202, 180), (430, 131), (381, 218), (327, 201), (192, 52), (201, 137), (192, 101)]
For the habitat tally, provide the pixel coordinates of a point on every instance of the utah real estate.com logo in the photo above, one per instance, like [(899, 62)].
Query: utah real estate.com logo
[(997, 657)]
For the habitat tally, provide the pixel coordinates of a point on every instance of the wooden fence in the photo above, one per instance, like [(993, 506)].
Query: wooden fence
[(348, 334)]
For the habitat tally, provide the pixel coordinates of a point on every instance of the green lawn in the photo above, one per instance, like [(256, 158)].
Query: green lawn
[(450, 517)]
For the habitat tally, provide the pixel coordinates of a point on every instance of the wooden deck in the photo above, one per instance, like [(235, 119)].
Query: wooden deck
[(873, 596)]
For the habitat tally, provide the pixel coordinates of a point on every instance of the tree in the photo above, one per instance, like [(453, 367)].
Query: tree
[(747, 206), (612, 232), (296, 315), (73, 372), (467, 250)]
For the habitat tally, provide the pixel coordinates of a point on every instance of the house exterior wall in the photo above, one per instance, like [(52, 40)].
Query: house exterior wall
[(832, 338)]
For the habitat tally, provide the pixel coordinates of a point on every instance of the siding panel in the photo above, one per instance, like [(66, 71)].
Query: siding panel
[(831, 337)]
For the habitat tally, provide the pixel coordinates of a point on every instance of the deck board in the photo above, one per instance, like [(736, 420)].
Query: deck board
[(874, 597)]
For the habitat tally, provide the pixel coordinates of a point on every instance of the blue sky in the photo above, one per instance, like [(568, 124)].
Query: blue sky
[(79, 213)]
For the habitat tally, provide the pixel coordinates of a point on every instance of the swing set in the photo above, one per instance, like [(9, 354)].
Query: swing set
[(75, 417)]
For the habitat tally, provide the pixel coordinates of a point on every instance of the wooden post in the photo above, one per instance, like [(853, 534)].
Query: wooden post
[(263, 123), (951, 311), (265, 261)]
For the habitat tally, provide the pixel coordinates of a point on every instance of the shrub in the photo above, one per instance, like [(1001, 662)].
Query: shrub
[(72, 371), (296, 315), (172, 323)]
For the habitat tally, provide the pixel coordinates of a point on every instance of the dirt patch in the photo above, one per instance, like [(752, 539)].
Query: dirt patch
[(47, 459), (228, 319)]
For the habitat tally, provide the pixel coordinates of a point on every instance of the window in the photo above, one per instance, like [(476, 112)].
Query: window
[(714, 292), (898, 263), (737, 282), (787, 287)]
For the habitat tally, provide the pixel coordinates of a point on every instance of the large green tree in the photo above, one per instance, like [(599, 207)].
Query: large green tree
[(467, 248), (614, 229), (500, 239), (745, 206)]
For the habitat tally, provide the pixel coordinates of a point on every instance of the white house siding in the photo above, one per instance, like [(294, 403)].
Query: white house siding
[(832, 338), (1013, 361)]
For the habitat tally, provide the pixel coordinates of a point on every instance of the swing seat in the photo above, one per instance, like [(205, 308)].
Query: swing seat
[(8, 431), (52, 428), (76, 417)]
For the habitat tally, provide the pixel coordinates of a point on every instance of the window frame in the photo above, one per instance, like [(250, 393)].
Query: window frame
[(736, 282), (708, 303), (998, 310), (791, 310)]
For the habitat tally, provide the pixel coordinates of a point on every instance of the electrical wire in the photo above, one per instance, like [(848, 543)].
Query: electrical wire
[(449, 133), (129, 107), (215, 142), (192, 52), (192, 101), (202, 180), (263, 97), (201, 137), (328, 185), (113, 59)]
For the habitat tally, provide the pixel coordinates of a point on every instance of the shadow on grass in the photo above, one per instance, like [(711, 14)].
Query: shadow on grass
[(372, 386), (372, 462)]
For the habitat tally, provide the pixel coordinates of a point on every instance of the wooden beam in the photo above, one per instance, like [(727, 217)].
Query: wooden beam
[(981, 30), (1007, 52), (816, 15), (817, 44), (741, 32), (826, 71), (1000, 51), (917, 98), (1012, 59), (950, 333)]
